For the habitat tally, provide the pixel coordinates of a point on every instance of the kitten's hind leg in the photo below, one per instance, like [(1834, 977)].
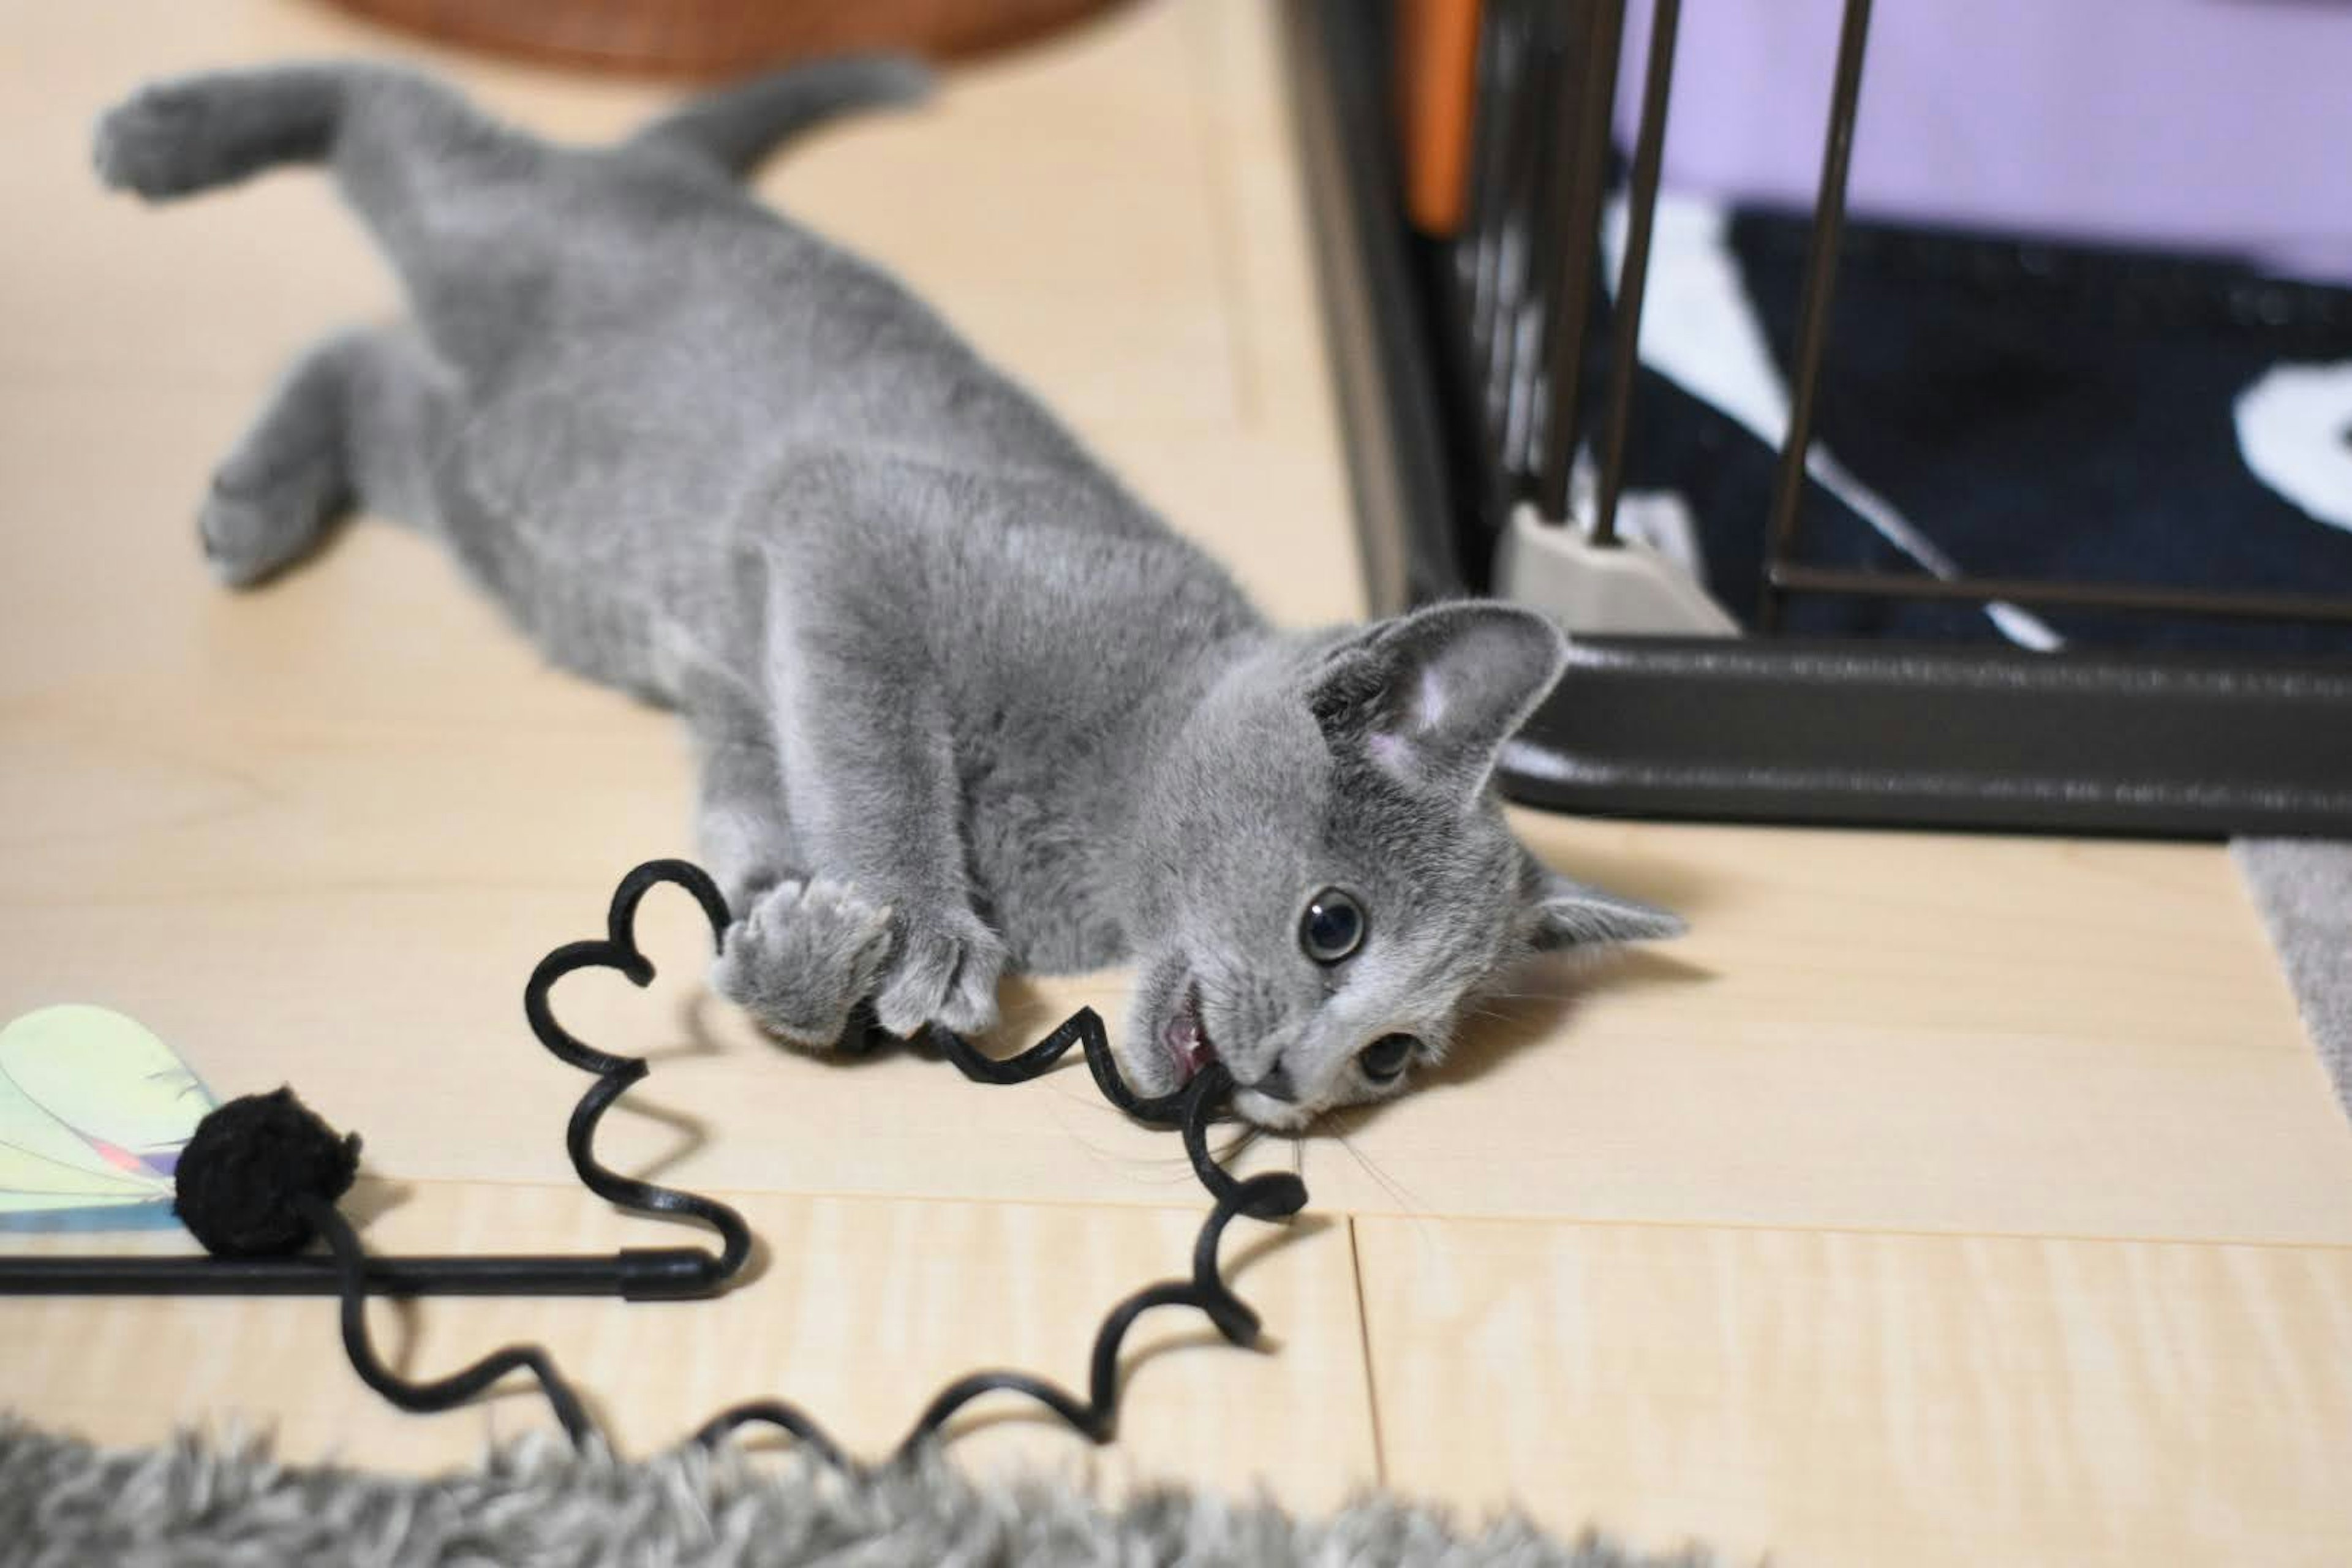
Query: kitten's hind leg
[(464, 206), (177, 137), (358, 419), (285, 481)]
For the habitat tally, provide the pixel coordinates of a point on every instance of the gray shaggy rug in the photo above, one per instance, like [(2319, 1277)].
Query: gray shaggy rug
[(2303, 888), (199, 1504)]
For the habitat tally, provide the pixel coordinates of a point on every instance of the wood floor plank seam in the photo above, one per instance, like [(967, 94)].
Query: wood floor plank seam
[(1352, 1215), (1892, 1233), (1364, 1340)]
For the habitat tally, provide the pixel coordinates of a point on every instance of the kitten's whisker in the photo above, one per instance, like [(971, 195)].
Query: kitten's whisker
[(1239, 1145), (1407, 1201)]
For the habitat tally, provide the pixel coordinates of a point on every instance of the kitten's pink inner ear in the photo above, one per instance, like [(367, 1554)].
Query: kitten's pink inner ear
[(1433, 700), (1392, 750)]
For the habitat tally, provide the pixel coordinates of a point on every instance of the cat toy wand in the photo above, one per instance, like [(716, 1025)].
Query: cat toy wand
[(240, 1176), (259, 1180)]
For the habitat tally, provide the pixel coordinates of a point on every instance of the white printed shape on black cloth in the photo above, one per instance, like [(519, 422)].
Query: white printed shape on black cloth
[(2294, 430)]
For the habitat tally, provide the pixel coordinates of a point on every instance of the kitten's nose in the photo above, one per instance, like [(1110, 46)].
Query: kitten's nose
[(1275, 1084)]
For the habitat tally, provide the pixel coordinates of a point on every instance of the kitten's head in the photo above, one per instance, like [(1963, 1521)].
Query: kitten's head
[(1326, 880)]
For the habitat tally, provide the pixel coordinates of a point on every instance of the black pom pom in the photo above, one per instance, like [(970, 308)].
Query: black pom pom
[(249, 1160)]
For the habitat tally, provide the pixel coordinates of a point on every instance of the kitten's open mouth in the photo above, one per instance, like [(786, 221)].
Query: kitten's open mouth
[(1184, 1039)]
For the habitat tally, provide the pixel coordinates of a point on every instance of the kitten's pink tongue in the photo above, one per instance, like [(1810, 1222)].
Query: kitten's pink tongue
[(1184, 1043)]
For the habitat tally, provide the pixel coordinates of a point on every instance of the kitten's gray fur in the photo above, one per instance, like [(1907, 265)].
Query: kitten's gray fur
[(959, 699)]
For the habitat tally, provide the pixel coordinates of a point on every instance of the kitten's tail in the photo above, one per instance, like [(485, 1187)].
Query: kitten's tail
[(737, 127)]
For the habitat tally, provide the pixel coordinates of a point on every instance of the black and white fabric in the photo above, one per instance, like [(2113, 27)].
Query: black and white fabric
[(2005, 408)]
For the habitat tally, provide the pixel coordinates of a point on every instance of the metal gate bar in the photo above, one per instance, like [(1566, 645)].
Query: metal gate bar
[(1813, 315), (1633, 278), (1573, 196)]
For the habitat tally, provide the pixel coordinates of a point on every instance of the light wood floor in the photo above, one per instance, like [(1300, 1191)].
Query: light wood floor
[(1937, 1200)]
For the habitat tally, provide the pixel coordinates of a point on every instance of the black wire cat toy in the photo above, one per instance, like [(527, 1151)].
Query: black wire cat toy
[(258, 1182)]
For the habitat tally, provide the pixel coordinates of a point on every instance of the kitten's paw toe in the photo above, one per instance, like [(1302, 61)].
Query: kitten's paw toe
[(154, 142), (802, 956), (249, 534), (943, 971)]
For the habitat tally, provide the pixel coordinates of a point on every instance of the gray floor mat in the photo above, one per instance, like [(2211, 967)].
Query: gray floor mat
[(2303, 888)]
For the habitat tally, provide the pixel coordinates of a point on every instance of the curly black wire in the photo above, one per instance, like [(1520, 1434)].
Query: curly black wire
[(1083, 1027), (1191, 1108), (443, 1394), (1271, 1196), (697, 1273)]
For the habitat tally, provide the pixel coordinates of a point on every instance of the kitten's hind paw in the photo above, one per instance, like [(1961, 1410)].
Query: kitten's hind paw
[(943, 971), (160, 141), (252, 534), (192, 133), (803, 957)]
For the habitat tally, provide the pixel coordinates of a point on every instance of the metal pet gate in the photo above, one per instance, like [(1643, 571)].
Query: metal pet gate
[(1762, 726)]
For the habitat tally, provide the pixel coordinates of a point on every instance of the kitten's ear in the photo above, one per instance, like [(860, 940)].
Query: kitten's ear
[(1432, 696), (1561, 913)]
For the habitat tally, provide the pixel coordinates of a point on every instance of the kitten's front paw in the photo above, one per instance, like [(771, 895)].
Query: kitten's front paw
[(943, 970), (804, 955)]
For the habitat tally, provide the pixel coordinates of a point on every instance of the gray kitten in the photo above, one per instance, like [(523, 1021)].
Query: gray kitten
[(959, 699)]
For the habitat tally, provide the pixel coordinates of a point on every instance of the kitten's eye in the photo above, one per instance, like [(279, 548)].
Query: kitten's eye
[(1332, 927), (1385, 1058)]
